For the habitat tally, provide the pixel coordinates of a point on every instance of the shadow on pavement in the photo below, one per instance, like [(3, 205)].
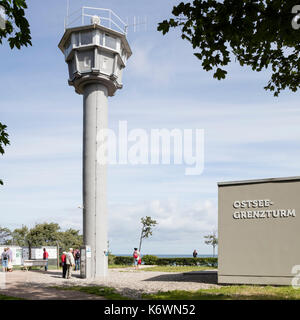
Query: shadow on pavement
[(209, 277)]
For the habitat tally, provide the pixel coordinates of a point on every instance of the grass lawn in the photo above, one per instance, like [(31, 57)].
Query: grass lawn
[(118, 266), (230, 293), (3, 297), (177, 268), (35, 268), (106, 292), (223, 293)]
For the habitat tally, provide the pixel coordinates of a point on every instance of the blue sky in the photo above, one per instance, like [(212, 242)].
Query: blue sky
[(248, 132)]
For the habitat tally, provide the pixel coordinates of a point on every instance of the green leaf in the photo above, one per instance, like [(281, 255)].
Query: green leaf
[(257, 33), (17, 29)]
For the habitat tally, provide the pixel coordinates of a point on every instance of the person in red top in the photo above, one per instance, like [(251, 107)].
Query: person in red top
[(45, 257), (63, 263)]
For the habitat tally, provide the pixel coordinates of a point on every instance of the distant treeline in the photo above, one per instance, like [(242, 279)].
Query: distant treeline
[(44, 234)]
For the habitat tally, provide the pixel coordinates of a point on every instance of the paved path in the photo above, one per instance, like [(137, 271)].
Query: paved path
[(34, 285), (127, 281)]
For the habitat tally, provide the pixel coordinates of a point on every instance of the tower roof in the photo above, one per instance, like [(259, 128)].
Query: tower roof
[(120, 35)]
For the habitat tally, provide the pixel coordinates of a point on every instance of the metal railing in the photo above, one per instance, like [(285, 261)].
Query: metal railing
[(107, 17)]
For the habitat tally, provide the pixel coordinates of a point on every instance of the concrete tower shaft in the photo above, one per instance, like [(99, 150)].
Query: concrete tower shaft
[(94, 177), (96, 56)]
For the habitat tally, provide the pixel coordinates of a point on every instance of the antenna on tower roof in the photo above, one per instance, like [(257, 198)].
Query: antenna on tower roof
[(108, 18), (137, 22), (68, 12)]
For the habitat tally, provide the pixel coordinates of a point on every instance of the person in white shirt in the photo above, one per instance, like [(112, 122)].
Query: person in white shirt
[(70, 262)]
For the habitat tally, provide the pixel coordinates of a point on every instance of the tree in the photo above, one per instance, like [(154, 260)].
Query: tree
[(17, 32), (17, 29), (5, 235), (147, 225), (44, 234), (3, 140), (70, 239), (212, 240), (257, 33), (19, 236)]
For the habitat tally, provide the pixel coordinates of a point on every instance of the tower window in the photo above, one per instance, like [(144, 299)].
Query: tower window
[(110, 42)]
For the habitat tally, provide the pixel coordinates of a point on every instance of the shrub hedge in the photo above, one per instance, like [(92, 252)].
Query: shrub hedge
[(154, 260), (210, 262), (111, 259), (123, 260), (150, 260)]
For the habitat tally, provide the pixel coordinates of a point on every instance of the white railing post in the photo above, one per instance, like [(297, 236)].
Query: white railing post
[(110, 19), (68, 9)]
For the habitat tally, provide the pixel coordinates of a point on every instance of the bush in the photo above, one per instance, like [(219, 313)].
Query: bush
[(210, 262), (124, 260), (149, 260), (111, 259)]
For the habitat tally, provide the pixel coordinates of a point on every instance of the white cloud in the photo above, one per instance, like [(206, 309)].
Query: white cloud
[(177, 222), (146, 64)]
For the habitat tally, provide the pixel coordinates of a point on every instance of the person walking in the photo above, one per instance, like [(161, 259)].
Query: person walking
[(63, 263), (45, 257), (195, 253), (4, 258), (70, 263), (10, 260), (77, 260), (136, 257)]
